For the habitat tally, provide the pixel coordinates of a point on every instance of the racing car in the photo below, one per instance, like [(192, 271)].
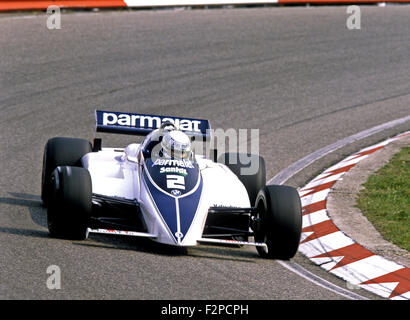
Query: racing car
[(162, 189)]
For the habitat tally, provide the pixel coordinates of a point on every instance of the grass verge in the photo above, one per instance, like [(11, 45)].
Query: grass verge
[(385, 199)]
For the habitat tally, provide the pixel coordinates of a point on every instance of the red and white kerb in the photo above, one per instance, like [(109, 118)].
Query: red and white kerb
[(324, 244)]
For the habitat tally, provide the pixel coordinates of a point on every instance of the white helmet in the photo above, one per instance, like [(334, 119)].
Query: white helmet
[(176, 144)]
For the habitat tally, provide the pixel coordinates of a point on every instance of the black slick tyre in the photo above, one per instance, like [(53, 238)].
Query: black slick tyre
[(61, 152), (251, 174), (280, 221), (70, 205)]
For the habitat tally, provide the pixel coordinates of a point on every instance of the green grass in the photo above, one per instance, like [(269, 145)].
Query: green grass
[(385, 201)]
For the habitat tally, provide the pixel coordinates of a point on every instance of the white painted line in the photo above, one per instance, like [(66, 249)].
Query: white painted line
[(324, 244), (298, 166), (302, 272), (320, 215)]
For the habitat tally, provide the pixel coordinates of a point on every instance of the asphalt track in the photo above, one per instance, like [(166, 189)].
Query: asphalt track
[(297, 74)]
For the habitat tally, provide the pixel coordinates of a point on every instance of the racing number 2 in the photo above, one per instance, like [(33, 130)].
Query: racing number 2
[(175, 182)]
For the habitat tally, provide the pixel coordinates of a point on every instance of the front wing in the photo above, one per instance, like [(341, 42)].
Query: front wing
[(119, 216)]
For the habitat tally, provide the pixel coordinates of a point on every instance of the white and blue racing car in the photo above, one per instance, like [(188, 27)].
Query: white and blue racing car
[(161, 189)]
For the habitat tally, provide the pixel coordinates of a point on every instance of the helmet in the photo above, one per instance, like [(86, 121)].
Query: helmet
[(176, 144)]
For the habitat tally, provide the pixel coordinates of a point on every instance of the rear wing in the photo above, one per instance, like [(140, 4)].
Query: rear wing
[(143, 124)]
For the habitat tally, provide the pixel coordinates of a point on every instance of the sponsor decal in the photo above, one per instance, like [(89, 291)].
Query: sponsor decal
[(175, 163), (147, 121), (176, 193), (176, 170)]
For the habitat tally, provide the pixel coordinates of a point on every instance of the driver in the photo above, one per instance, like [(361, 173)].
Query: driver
[(167, 142), (176, 144)]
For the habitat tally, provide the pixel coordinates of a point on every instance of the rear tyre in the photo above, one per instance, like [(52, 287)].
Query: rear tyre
[(252, 175), (61, 152), (70, 204), (280, 222)]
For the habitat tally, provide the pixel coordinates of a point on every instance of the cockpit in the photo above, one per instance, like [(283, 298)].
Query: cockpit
[(167, 142)]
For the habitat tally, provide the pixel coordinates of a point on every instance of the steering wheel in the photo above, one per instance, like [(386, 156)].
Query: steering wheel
[(168, 124)]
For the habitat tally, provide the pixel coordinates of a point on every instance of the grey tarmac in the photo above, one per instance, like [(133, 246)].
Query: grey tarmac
[(297, 74)]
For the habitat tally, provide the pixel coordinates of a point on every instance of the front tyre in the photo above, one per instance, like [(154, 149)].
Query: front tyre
[(280, 221), (70, 203)]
